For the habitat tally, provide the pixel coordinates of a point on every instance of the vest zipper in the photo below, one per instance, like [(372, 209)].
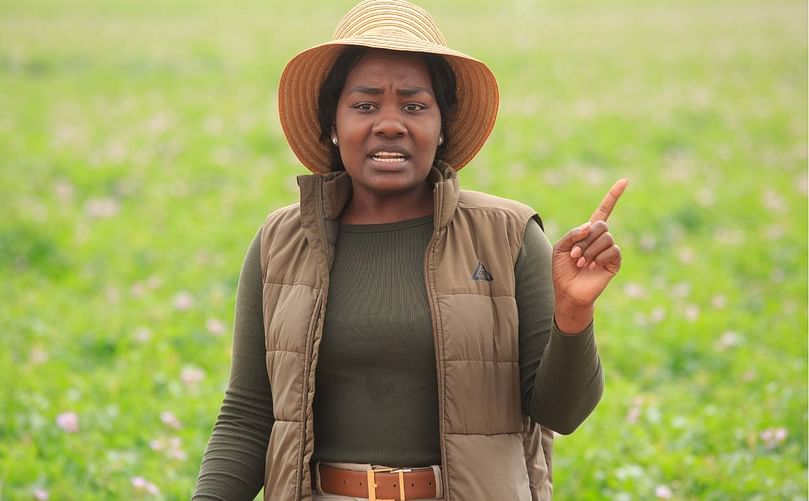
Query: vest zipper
[(437, 343), (313, 328), (319, 309)]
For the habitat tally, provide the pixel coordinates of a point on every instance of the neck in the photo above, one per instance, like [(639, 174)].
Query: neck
[(366, 209)]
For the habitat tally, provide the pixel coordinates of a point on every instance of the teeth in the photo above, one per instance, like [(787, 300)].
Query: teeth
[(390, 157)]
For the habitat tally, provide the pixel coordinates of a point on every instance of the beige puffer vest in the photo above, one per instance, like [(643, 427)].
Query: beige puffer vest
[(490, 450)]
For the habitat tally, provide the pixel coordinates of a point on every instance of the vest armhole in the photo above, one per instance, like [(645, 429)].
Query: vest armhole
[(538, 219), (263, 254)]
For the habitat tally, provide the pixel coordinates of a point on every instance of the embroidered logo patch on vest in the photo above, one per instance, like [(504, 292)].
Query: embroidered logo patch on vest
[(481, 273)]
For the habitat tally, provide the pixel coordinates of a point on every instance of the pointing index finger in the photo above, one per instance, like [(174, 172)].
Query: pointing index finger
[(610, 199)]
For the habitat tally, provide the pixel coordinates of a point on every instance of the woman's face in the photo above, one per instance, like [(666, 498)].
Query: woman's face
[(388, 124)]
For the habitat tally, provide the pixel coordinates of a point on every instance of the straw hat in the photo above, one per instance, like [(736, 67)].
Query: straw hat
[(393, 25)]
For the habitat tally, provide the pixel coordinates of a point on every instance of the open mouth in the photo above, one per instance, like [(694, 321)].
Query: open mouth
[(388, 157)]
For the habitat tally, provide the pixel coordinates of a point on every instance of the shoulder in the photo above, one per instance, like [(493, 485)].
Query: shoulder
[(281, 227), (488, 218), (283, 215), (517, 212), (282, 222)]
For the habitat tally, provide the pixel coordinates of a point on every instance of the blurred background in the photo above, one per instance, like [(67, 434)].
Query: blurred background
[(140, 150)]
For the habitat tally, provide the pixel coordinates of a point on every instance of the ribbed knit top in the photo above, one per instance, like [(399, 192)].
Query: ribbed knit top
[(376, 397)]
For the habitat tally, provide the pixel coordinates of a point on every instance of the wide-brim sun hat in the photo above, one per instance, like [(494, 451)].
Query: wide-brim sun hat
[(393, 25)]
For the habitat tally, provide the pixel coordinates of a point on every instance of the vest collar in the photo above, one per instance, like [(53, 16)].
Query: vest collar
[(325, 196)]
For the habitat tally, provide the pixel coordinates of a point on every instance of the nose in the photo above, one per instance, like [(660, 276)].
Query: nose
[(389, 124)]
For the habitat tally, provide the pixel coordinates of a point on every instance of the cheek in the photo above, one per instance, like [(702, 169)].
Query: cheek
[(349, 127)]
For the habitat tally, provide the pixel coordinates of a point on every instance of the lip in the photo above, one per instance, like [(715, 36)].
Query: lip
[(389, 149), (389, 165)]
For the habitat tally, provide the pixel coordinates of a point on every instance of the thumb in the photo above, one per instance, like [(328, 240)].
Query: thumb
[(566, 243)]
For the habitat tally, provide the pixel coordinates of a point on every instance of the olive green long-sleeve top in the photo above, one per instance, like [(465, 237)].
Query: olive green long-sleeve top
[(376, 386)]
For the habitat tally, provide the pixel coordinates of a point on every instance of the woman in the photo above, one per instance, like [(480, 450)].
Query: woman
[(397, 337)]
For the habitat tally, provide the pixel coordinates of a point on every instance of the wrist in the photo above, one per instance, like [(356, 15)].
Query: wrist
[(572, 318)]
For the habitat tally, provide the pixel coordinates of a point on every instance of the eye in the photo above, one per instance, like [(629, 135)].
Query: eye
[(364, 107), (413, 107)]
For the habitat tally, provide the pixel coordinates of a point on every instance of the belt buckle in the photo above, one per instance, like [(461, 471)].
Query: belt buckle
[(372, 482)]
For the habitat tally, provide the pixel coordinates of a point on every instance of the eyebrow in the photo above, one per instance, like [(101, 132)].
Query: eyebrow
[(405, 91)]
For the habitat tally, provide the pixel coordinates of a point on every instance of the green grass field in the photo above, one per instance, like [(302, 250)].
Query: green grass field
[(141, 150)]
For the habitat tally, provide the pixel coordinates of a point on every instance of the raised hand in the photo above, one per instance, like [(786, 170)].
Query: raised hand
[(584, 262)]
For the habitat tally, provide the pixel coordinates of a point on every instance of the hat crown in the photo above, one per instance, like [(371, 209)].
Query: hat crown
[(389, 17)]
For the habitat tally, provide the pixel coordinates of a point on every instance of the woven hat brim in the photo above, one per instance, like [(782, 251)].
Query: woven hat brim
[(478, 98)]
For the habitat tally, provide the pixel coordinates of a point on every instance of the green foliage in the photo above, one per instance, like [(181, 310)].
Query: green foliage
[(141, 150)]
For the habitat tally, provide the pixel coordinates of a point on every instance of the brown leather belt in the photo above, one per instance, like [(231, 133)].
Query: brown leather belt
[(391, 483)]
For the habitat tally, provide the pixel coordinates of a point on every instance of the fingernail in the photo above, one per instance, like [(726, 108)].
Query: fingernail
[(580, 263), (584, 226), (592, 265), (575, 252)]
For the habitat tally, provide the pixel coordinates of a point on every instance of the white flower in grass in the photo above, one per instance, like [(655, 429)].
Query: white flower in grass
[(177, 454), (169, 419), (183, 301), (159, 123), (142, 485), (705, 197), (691, 312), (68, 421), (775, 232), (215, 326), (774, 202), (686, 255), (38, 355), (719, 301), (663, 492), (142, 334), (658, 314), (213, 125), (116, 151), (802, 184), (681, 289), (648, 243), (728, 339), (634, 411), (731, 237), (634, 290), (191, 375), (40, 494), (154, 281), (102, 207), (64, 190), (773, 436), (113, 295), (172, 447)]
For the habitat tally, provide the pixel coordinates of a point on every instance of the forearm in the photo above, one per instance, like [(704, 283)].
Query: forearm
[(233, 464), (560, 372), (569, 381)]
